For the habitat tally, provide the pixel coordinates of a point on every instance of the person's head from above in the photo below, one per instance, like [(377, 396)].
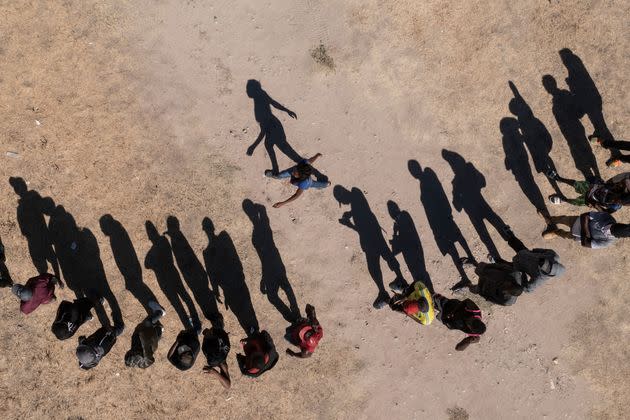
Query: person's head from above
[(342, 195), (414, 168), (107, 223), (86, 356), (393, 209), (620, 230), (61, 330), (22, 292), (302, 171), (255, 362), (253, 88), (412, 307), (207, 226), (19, 185), (509, 127), (152, 231), (550, 84), (186, 359), (309, 338), (172, 224), (475, 325)]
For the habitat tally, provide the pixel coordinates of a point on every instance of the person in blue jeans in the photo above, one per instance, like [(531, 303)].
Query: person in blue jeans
[(300, 176)]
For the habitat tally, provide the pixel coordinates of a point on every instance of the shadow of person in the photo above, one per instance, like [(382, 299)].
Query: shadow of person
[(361, 219), (30, 216), (587, 95), (406, 241), (127, 261), (225, 270), (536, 137), (440, 215), (517, 162), (274, 274), (92, 274), (567, 114), (467, 185), (160, 260), (193, 272), (271, 130)]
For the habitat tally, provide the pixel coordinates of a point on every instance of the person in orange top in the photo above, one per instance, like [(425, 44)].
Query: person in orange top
[(305, 333)]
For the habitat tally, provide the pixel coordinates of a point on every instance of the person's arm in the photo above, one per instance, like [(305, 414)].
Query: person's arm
[(312, 160), (222, 375), (310, 314), (461, 346), (303, 354), (288, 200), (586, 232), (279, 106)]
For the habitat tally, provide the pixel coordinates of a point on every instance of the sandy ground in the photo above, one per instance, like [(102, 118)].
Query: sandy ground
[(139, 110)]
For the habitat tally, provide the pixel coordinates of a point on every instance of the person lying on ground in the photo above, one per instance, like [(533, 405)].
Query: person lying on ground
[(603, 196), (414, 300), (92, 349), (260, 354), (305, 333), (300, 177), (5, 277), (216, 346), (460, 315), (184, 351), (593, 229), (499, 282), (145, 339), (616, 161), (37, 291), (70, 316)]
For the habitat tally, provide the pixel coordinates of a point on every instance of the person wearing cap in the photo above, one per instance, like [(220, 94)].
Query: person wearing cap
[(594, 229), (145, 338), (499, 282), (305, 333), (92, 349), (216, 346), (70, 316), (415, 301), (300, 177), (260, 354), (37, 291), (463, 315), (184, 351), (5, 277)]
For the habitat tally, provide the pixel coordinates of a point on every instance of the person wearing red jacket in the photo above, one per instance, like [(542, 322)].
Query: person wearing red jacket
[(305, 333), (37, 291)]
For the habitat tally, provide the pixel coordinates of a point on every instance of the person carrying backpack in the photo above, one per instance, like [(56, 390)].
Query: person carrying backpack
[(463, 315), (70, 316), (92, 349), (260, 354), (145, 339)]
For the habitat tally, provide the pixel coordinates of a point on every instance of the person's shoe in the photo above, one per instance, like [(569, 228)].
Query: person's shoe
[(381, 301), (595, 140), (118, 329), (398, 285), (550, 234), (613, 163), (466, 261), (491, 258), (555, 199), (157, 309), (551, 174)]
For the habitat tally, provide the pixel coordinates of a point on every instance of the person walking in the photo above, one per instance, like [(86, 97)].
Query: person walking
[(415, 301), (216, 346), (615, 161), (595, 193), (593, 229), (463, 315), (499, 282), (305, 333), (300, 177), (37, 291), (145, 338), (184, 351), (259, 354), (70, 316), (92, 349)]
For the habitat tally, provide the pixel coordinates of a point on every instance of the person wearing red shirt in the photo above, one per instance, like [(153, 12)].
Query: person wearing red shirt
[(37, 291), (305, 333), (260, 354)]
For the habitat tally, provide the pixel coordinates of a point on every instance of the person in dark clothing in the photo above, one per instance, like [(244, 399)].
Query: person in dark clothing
[(463, 315), (498, 283), (145, 339), (260, 354), (615, 161), (305, 333), (37, 291), (216, 346), (92, 349), (594, 192), (5, 277), (70, 316), (184, 351)]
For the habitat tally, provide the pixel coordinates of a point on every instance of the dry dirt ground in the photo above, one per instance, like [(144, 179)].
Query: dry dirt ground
[(138, 109)]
